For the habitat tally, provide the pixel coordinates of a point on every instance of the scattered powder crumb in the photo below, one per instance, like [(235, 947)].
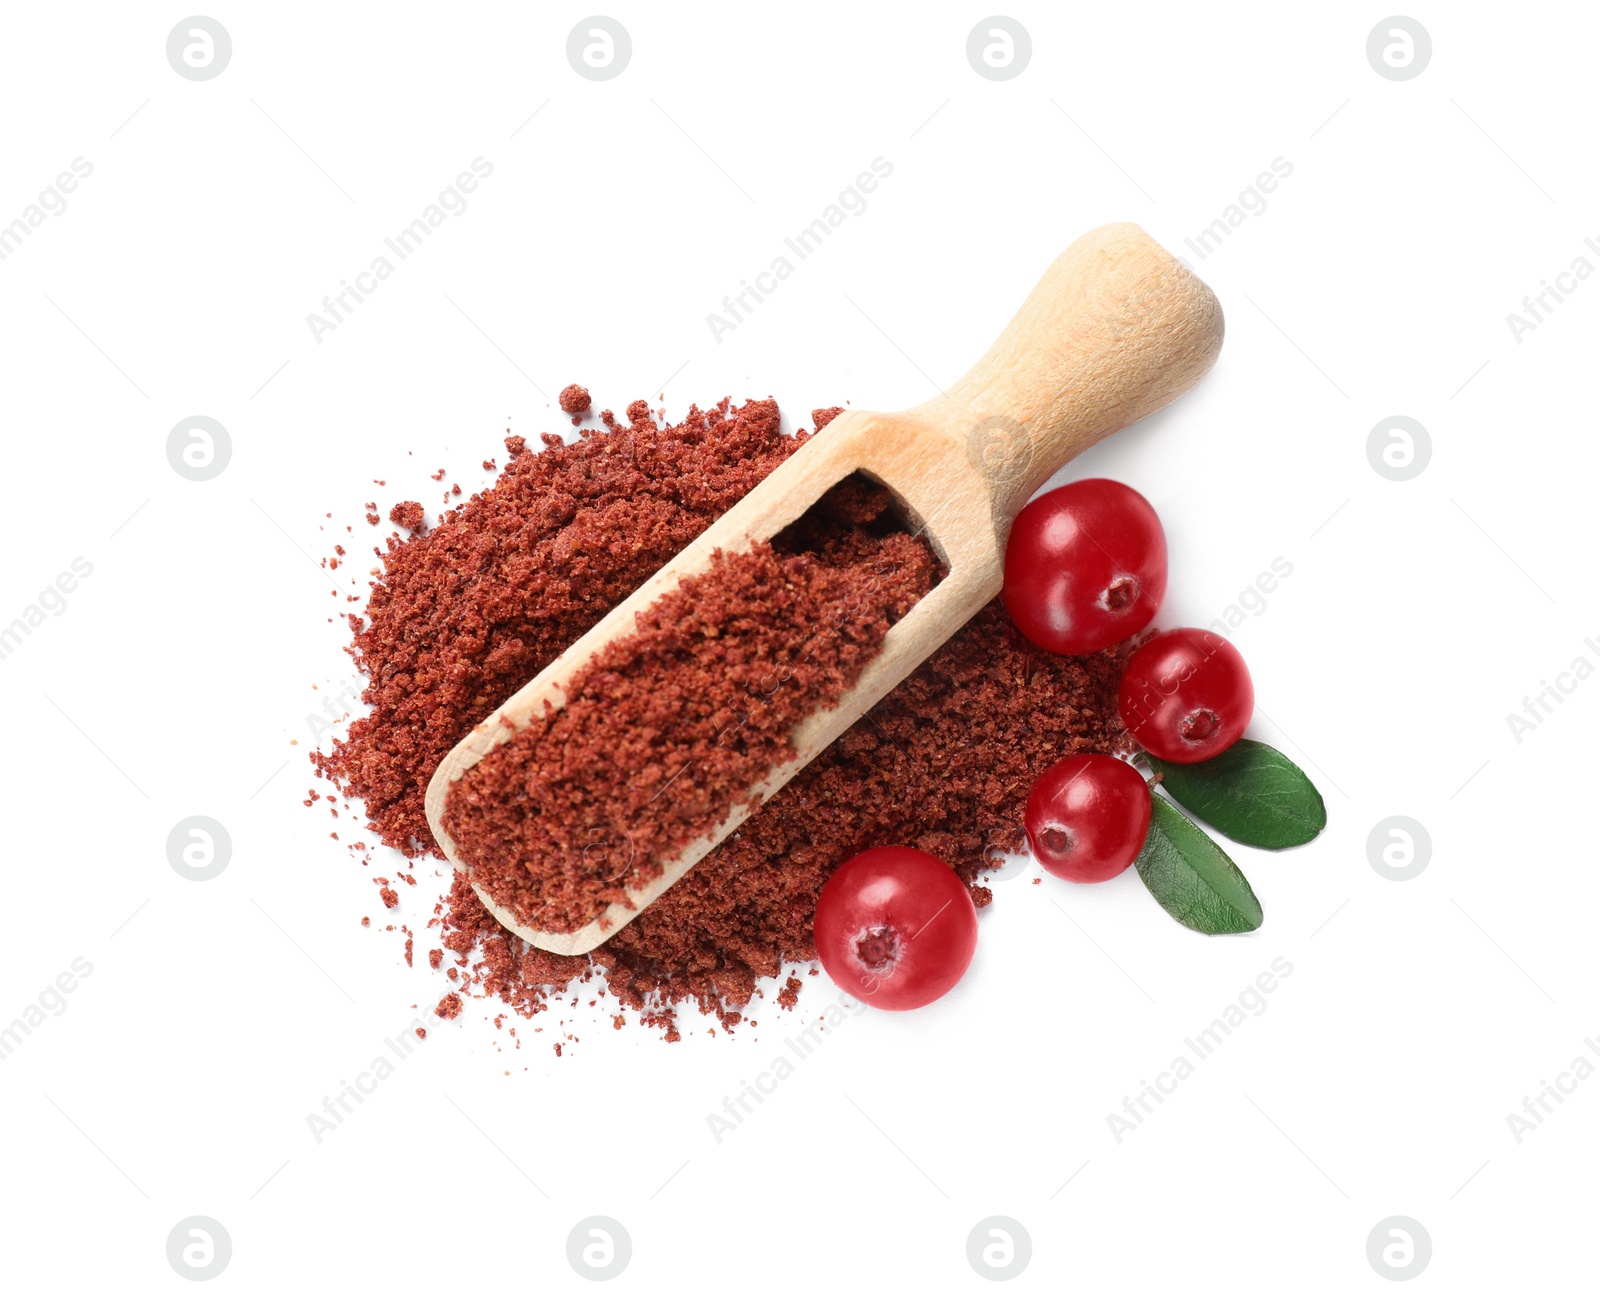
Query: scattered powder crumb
[(409, 515)]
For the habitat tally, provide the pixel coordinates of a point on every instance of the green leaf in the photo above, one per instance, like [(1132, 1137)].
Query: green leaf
[(1192, 877), (1251, 792)]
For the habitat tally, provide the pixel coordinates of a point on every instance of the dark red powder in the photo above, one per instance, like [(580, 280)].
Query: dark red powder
[(666, 730), (466, 613), (574, 399), (943, 764), (408, 514)]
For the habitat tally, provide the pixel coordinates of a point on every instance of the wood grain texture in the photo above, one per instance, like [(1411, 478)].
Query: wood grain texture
[(1115, 330)]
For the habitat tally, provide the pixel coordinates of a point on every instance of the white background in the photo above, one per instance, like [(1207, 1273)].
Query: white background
[(1377, 282)]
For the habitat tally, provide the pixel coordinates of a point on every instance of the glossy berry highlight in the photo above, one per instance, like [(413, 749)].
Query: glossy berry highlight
[(1186, 695), (895, 928), (1085, 566), (1087, 818)]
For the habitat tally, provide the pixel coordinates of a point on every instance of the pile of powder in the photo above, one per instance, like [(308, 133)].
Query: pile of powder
[(467, 612), (665, 730)]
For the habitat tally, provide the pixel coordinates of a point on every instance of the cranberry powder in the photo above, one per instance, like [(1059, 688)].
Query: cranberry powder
[(467, 611)]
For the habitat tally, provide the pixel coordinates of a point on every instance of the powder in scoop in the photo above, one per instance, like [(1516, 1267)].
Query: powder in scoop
[(666, 730)]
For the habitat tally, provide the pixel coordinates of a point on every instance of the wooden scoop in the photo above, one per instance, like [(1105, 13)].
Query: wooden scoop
[(1114, 331)]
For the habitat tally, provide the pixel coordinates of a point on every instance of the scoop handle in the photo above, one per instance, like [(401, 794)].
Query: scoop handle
[(1115, 329)]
